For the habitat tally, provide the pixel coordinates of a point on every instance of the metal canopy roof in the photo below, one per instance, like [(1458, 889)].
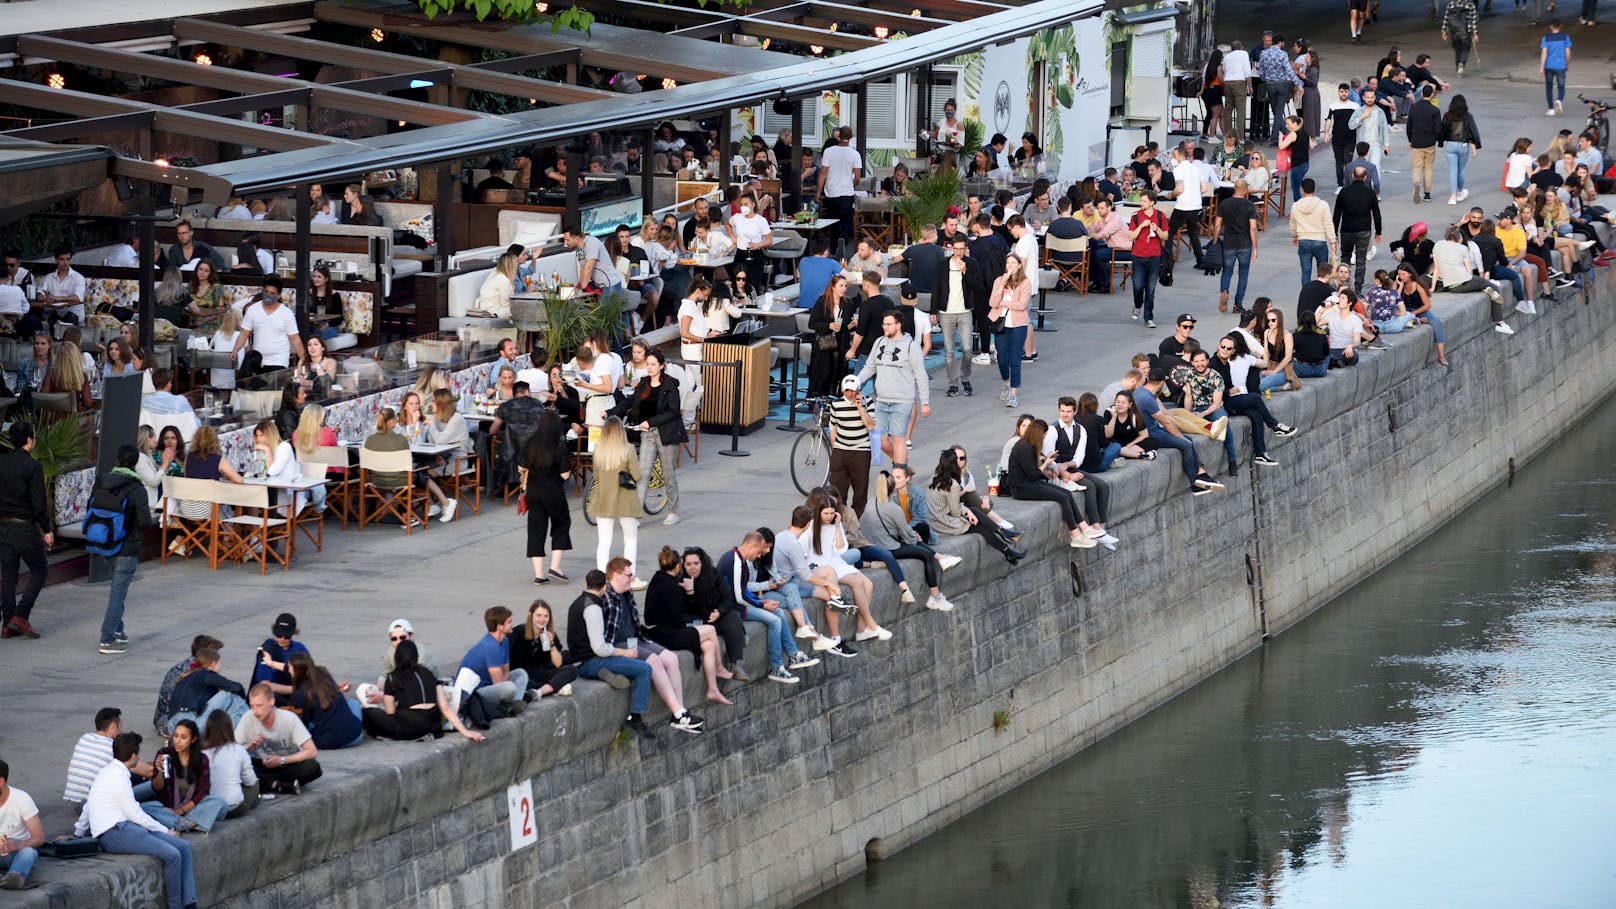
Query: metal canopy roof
[(712, 76)]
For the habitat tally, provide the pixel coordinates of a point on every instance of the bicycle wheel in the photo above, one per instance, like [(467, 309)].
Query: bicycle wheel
[(656, 491), (810, 461), (589, 492)]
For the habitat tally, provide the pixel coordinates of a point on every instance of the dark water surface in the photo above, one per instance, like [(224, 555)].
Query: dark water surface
[(1443, 735)]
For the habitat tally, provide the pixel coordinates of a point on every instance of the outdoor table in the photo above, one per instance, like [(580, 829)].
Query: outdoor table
[(293, 512)]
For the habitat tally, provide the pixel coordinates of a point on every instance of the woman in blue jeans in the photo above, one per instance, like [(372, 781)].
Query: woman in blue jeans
[(1417, 302), (1460, 142), (1008, 299), (182, 785), (1310, 348)]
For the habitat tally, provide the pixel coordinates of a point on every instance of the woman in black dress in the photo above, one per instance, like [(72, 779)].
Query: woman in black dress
[(536, 648), (667, 623), (413, 704), (1212, 94), (706, 599), (545, 467), (826, 365)]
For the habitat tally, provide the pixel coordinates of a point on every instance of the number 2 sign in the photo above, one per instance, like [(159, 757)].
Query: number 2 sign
[(524, 831)]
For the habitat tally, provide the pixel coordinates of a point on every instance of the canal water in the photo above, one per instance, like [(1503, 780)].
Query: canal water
[(1443, 735)]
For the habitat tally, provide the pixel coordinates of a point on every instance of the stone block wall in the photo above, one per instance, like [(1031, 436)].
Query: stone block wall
[(783, 794)]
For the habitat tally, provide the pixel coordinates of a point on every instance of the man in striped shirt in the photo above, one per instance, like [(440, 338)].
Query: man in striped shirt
[(850, 425), (94, 751)]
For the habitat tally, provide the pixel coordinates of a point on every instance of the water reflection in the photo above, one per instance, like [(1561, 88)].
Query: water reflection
[(1441, 736)]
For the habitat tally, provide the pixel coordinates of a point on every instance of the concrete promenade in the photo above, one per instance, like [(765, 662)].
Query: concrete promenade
[(442, 579)]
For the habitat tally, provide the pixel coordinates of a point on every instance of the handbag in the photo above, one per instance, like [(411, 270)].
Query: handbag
[(1282, 161), (825, 342), (625, 480), (72, 847)]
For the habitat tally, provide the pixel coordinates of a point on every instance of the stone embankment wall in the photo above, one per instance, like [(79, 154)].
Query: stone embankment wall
[(783, 795)]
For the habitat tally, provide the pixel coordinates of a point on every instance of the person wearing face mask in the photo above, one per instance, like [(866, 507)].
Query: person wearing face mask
[(752, 236)]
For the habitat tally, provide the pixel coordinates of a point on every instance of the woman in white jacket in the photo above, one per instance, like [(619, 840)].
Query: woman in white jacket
[(826, 545)]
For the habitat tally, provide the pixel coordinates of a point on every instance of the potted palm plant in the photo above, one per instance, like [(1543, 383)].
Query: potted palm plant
[(930, 196), (570, 319)]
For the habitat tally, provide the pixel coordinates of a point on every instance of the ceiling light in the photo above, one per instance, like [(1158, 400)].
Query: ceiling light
[(833, 26), (881, 31), (669, 83), (377, 35), (541, 7), (915, 13), (56, 80), (765, 44), (816, 49), (160, 162), (202, 60)]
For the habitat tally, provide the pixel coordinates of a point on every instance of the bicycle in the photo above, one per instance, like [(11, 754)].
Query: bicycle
[(810, 454), (1598, 123), (656, 493)]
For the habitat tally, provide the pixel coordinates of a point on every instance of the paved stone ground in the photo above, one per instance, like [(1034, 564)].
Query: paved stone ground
[(444, 578)]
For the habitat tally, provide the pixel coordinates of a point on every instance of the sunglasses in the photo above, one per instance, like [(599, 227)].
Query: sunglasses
[(398, 637)]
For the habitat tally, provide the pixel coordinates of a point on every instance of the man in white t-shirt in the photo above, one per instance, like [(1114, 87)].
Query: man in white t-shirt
[(21, 834), (1189, 197), (840, 169), (271, 327), (283, 752), (12, 301)]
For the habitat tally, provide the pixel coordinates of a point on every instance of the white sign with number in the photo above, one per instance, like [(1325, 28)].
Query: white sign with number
[(524, 832)]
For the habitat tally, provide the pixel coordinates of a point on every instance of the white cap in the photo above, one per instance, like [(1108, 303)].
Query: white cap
[(401, 625)]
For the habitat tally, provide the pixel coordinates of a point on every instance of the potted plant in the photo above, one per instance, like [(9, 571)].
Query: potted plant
[(572, 318), (929, 198)]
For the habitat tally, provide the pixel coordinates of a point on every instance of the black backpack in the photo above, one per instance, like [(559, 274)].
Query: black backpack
[(474, 712)]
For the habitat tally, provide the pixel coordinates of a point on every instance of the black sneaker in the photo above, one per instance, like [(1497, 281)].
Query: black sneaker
[(540, 582), (689, 722), (953, 391), (968, 390), (113, 647), (637, 725), (1284, 429), (843, 649), (121, 638), (1265, 461), (1201, 490), (1030, 357), (1205, 481)]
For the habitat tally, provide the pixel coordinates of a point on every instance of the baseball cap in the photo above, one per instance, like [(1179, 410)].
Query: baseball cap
[(1185, 317), (285, 625), (849, 382), (401, 625)]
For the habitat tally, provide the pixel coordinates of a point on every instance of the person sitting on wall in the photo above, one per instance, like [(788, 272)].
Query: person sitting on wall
[(734, 570), (165, 690), (21, 834), (503, 689), (114, 817), (274, 655), (413, 705), (283, 753), (603, 627)]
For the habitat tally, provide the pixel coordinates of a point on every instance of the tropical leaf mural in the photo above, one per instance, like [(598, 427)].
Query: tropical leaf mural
[(1057, 50), (830, 108), (971, 66)]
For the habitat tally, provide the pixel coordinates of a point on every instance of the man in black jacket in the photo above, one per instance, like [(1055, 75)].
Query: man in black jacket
[(1424, 129), (1357, 219), (653, 413), (990, 250), (955, 285), (121, 489), (25, 531)]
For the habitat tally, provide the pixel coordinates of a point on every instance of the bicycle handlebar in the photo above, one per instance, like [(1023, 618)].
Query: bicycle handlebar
[(1602, 105)]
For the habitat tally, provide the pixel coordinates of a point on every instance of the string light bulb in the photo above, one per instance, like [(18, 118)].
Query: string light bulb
[(881, 31), (765, 44), (541, 7), (56, 80), (816, 49), (202, 60), (377, 35), (670, 83), (915, 13)]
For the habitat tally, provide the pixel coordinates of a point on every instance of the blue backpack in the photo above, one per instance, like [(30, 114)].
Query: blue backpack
[(106, 528)]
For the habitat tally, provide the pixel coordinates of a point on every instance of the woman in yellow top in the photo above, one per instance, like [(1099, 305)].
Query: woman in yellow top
[(207, 301), (497, 289)]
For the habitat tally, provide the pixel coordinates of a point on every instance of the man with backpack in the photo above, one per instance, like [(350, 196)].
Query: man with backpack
[(1459, 26), (112, 529)]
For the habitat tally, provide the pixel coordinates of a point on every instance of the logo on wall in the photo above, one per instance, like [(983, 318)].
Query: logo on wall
[(1001, 108)]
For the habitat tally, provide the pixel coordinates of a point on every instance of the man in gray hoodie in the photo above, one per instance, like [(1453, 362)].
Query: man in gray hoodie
[(899, 367)]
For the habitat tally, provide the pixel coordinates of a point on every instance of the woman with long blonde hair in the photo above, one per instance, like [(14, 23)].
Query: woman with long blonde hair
[(498, 288), (67, 374), (612, 502)]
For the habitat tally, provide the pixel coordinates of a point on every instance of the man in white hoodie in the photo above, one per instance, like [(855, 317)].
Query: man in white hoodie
[(899, 368)]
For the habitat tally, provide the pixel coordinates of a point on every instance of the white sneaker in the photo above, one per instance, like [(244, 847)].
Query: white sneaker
[(1453, 200), (1527, 307), (948, 561), (1083, 542), (807, 631), (906, 596), (1503, 328), (1109, 541), (826, 642), (1007, 525), (1094, 533), (982, 359), (448, 512), (1464, 194), (671, 519), (566, 690), (1559, 107), (1549, 112), (433, 511), (939, 603), (873, 634)]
